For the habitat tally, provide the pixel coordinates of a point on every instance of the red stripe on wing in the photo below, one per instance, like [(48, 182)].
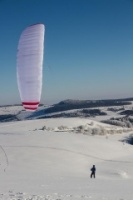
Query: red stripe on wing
[(30, 108), (30, 103)]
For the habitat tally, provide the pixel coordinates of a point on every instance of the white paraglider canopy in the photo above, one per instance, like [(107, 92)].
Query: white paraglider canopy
[(29, 65)]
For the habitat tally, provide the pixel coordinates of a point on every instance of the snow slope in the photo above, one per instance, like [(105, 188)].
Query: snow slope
[(55, 164)]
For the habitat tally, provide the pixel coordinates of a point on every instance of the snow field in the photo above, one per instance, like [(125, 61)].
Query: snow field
[(53, 165)]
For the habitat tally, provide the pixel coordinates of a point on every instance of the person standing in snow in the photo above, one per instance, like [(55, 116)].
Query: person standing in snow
[(93, 171)]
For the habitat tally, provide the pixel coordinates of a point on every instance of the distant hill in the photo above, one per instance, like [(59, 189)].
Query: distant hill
[(79, 104), (66, 108)]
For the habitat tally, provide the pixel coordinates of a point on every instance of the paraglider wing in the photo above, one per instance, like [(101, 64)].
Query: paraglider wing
[(29, 65)]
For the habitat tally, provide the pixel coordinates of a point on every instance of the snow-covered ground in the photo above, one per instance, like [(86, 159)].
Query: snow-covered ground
[(50, 159)]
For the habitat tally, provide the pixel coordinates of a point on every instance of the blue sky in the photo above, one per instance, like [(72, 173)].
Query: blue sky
[(88, 48)]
